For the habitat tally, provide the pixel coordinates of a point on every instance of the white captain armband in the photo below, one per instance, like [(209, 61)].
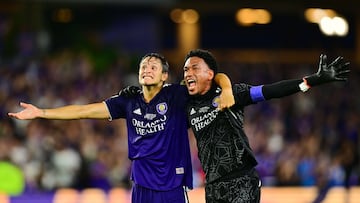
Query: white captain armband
[(304, 86)]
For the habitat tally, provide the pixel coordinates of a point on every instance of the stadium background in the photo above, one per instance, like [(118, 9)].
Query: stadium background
[(56, 52)]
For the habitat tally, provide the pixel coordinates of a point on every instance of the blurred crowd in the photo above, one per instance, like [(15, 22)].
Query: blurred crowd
[(302, 140)]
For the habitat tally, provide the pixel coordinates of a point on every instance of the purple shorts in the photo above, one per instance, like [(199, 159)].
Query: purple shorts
[(145, 195)]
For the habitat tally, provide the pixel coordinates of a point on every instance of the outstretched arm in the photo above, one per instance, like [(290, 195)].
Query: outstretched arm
[(95, 110), (226, 96), (337, 70)]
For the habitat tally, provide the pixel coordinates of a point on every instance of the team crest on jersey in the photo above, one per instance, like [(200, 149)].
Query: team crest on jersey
[(162, 108), (215, 101)]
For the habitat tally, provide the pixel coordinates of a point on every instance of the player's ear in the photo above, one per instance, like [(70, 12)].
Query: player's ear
[(211, 74), (164, 76)]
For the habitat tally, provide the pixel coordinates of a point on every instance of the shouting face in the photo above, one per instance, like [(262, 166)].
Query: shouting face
[(197, 75)]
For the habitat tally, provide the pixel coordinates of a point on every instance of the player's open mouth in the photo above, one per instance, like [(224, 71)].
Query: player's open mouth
[(146, 76), (191, 83)]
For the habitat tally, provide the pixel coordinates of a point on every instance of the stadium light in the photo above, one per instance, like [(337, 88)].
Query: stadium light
[(189, 16), (329, 22), (335, 26), (250, 16)]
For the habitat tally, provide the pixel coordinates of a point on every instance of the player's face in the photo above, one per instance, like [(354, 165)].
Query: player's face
[(197, 75), (150, 72)]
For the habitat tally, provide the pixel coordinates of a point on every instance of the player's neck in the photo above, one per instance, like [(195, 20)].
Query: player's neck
[(150, 92)]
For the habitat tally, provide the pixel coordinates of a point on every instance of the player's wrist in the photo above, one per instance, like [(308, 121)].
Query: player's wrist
[(42, 113), (304, 85)]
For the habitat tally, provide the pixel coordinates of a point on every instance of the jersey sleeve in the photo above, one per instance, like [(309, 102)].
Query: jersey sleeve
[(243, 95), (178, 92), (117, 106), (246, 94), (281, 89)]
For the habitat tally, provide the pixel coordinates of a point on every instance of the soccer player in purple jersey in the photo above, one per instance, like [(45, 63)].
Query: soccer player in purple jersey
[(157, 125), (223, 147)]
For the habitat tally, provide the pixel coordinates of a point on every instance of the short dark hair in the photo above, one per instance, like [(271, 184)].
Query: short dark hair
[(206, 55), (164, 63)]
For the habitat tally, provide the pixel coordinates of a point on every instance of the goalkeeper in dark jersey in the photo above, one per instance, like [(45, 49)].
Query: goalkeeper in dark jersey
[(223, 147)]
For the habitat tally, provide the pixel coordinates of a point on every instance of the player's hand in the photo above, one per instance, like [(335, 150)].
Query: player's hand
[(130, 91), (29, 112), (337, 70), (226, 99)]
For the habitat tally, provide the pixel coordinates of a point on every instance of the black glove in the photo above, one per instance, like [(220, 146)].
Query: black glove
[(337, 70), (130, 91)]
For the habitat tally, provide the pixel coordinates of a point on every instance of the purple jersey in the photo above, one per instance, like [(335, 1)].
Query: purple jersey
[(157, 137)]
